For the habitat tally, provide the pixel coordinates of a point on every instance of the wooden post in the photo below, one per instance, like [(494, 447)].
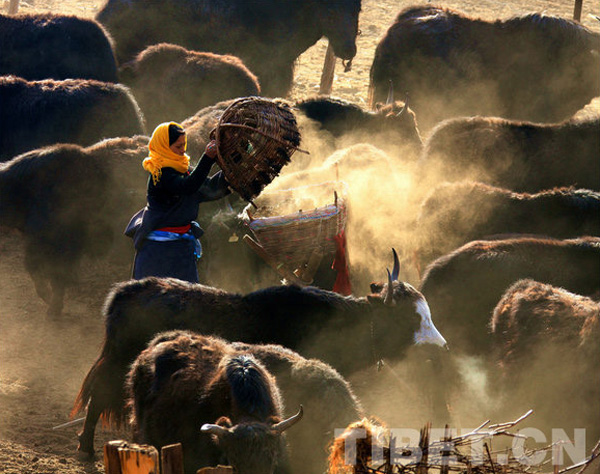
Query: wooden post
[(120, 457), (138, 459), (112, 465), (577, 10), (171, 459), (13, 7), (328, 71)]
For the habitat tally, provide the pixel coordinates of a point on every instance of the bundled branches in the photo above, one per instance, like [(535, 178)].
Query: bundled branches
[(368, 447)]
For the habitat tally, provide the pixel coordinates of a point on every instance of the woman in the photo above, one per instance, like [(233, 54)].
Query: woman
[(164, 233)]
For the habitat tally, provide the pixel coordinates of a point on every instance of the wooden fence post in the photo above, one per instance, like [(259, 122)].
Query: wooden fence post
[(13, 7), (328, 71), (121, 457), (112, 465), (171, 459), (577, 10)]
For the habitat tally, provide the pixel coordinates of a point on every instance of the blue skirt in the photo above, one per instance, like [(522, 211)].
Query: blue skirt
[(175, 258)]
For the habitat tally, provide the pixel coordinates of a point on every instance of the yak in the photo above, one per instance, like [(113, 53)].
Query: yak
[(463, 286), (452, 65), (522, 156), (70, 202), (552, 334), (456, 213), (393, 124), (531, 313), (347, 331), (51, 46), (267, 35), (80, 111), (169, 81), (223, 407)]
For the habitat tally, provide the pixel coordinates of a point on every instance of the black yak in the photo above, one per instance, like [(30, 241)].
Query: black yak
[(223, 407), (82, 111), (391, 125), (546, 344), (267, 35), (70, 201), (170, 82), (50, 46), (463, 287), (349, 332), (456, 213), (326, 396), (532, 67), (522, 156)]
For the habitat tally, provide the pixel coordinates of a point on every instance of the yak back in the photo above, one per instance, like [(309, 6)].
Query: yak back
[(463, 287), (441, 56), (46, 45), (456, 213), (521, 156), (267, 35), (81, 111)]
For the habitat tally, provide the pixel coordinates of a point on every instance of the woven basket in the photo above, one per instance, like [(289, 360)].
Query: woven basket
[(291, 239), (255, 138)]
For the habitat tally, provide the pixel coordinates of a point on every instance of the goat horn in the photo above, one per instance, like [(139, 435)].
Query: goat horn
[(289, 422), (389, 293), (396, 269), (217, 430)]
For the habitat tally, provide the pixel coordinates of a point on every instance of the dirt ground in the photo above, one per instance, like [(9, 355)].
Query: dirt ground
[(43, 362)]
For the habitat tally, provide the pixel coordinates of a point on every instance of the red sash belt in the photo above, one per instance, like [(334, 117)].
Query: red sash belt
[(178, 230)]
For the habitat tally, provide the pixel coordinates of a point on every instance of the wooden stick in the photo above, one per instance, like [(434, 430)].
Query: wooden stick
[(274, 264), (487, 449), (216, 470), (328, 71), (78, 421), (577, 10)]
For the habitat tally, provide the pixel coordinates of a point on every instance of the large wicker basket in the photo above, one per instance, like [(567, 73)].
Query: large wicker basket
[(287, 241), (255, 138)]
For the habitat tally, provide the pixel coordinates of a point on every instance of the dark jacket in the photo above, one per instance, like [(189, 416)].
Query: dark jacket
[(174, 201)]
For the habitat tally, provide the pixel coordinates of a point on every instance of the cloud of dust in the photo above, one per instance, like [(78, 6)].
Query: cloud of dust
[(378, 194), (562, 390)]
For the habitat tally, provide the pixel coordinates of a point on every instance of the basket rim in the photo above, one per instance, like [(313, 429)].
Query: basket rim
[(341, 202)]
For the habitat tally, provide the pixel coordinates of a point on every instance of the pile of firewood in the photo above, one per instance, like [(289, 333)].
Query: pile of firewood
[(375, 450)]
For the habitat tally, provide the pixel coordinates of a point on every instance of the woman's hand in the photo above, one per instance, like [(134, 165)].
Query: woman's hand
[(211, 149)]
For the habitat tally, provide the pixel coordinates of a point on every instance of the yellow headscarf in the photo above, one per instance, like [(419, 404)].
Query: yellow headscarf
[(161, 156)]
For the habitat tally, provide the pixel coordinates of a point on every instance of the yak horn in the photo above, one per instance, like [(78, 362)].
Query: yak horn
[(390, 96), (389, 293), (217, 430), (396, 269), (289, 422)]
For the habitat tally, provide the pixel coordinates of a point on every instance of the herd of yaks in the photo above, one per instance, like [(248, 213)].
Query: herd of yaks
[(506, 241)]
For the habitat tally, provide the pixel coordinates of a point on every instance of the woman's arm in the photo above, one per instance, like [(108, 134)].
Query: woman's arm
[(215, 187), (174, 182)]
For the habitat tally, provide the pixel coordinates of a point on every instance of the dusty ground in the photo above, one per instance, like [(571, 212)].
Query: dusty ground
[(42, 362)]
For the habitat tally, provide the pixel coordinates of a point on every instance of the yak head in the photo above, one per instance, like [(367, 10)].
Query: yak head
[(339, 22), (253, 447), (405, 306)]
